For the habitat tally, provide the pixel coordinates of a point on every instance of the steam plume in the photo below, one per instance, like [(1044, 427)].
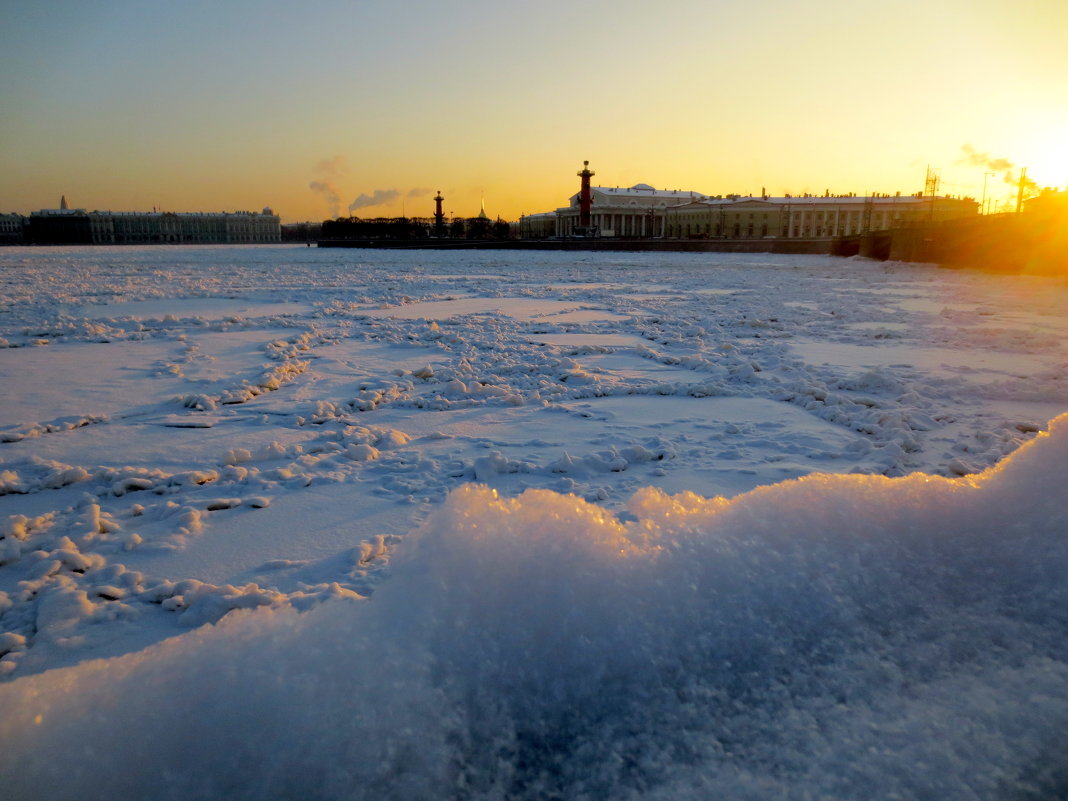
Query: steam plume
[(380, 198), (335, 166), (330, 194), (1013, 179), (331, 168), (1009, 173), (973, 158)]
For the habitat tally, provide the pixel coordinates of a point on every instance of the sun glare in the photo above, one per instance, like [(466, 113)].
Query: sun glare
[(1052, 170), (1047, 158)]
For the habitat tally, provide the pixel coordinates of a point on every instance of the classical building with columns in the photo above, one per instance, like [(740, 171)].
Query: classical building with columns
[(808, 217), (631, 212), (644, 212)]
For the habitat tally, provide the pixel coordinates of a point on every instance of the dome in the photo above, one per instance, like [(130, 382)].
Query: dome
[(643, 186)]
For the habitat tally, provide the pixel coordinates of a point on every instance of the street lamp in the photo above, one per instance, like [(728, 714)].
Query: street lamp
[(982, 205)]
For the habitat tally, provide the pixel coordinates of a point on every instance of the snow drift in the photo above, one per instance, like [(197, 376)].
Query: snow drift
[(834, 636)]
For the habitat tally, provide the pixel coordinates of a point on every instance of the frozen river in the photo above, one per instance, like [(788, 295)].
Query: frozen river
[(407, 524)]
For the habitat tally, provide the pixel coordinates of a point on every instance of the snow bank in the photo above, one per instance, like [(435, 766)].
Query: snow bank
[(835, 636)]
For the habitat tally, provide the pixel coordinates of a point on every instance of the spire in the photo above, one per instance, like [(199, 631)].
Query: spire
[(63, 202), (482, 214)]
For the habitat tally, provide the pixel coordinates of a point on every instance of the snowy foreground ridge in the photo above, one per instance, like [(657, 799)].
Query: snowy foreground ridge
[(280, 523), (839, 637)]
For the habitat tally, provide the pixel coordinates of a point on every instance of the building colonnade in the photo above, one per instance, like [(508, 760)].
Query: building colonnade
[(642, 212)]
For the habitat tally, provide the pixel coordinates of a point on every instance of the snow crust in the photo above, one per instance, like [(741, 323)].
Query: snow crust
[(279, 522), (840, 636)]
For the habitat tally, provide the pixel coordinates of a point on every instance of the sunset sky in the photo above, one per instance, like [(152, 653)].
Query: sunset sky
[(316, 109)]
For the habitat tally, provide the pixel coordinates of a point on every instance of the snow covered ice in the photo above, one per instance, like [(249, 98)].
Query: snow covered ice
[(288, 523)]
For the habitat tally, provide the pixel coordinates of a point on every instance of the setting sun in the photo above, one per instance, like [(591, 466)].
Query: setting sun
[(1051, 162), (303, 115)]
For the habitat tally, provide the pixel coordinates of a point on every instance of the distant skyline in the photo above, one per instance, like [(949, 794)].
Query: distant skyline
[(374, 106)]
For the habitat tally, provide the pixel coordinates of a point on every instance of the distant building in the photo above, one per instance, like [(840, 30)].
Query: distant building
[(62, 226), (12, 229), (241, 227), (642, 212), (78, 226), (538, 226), (810, 217), (302, 232), (483, 227)]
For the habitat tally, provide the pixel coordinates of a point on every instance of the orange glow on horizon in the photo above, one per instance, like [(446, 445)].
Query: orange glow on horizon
[(716, 98)]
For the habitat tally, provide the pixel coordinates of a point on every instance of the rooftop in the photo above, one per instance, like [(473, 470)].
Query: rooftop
[(644, 190)]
